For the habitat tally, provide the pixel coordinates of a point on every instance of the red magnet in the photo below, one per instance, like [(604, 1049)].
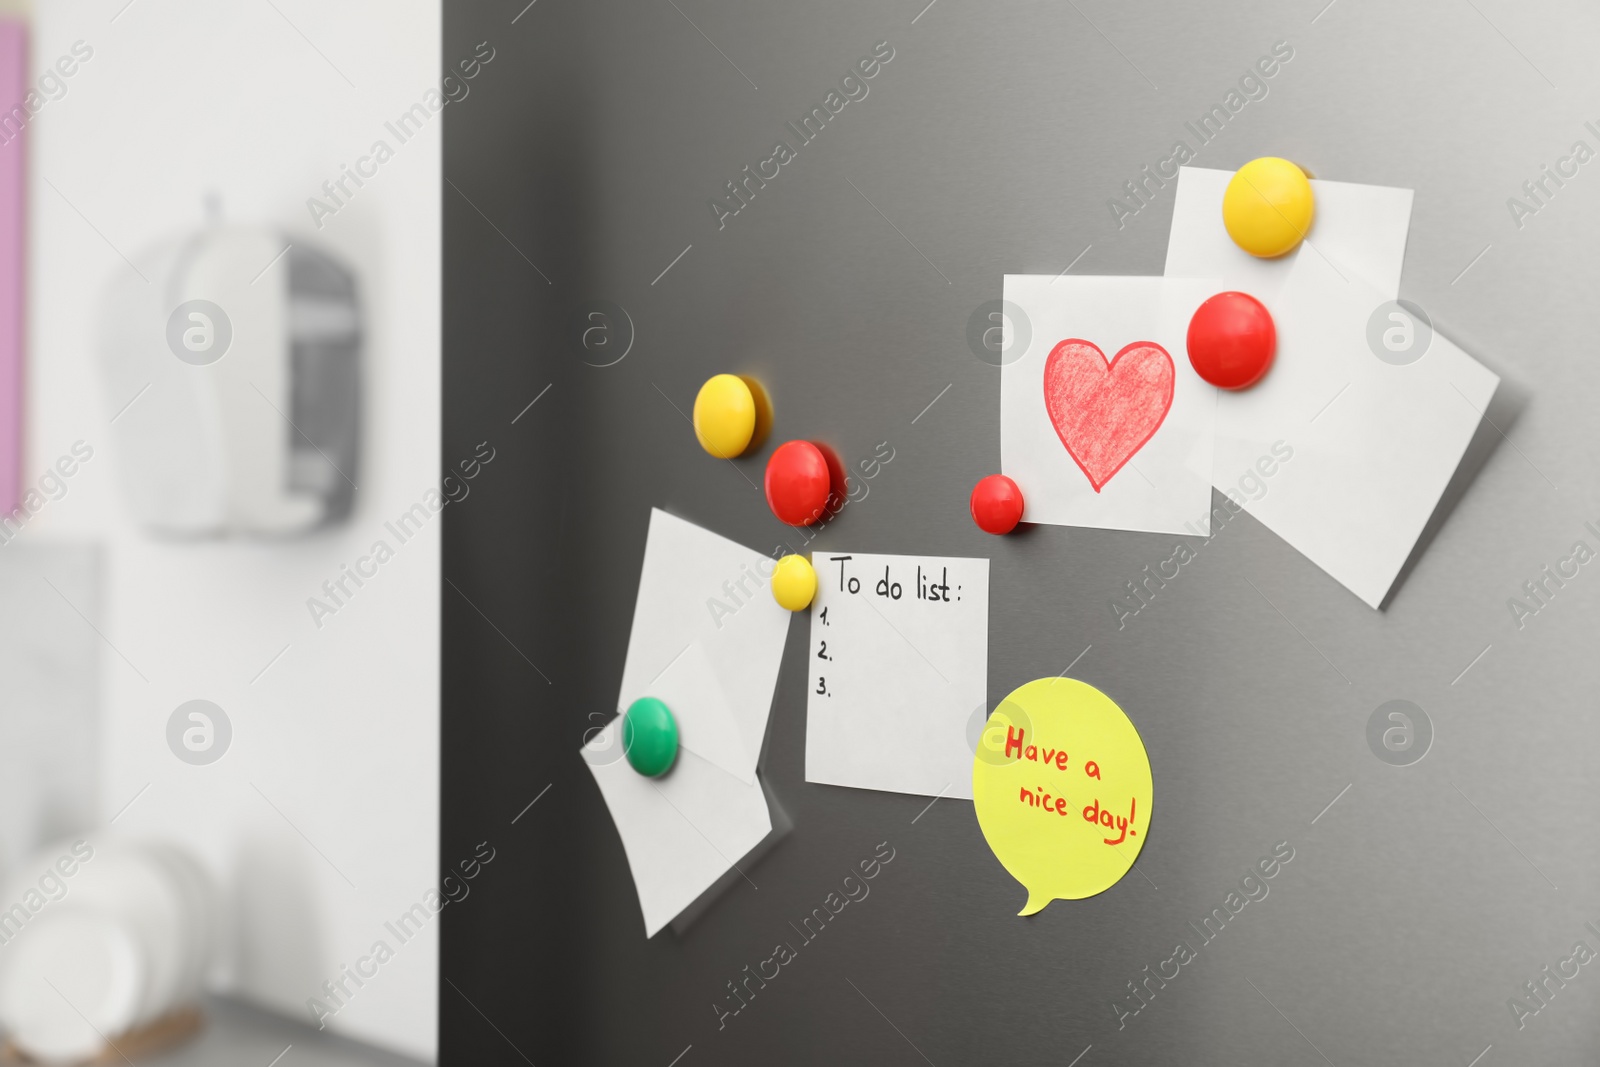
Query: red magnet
[(837, 481), (1232, 340), (996, 504), (800, 482)]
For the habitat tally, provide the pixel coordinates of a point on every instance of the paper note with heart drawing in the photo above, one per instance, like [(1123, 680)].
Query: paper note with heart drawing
[(1103, 421), (1105, 410)]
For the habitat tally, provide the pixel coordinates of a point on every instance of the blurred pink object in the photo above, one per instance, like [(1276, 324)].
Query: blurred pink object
[(13, 252)]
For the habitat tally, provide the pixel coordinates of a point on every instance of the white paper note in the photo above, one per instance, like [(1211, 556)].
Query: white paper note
[(707, 639), (1164, 486), (707, 725), (1371, 445), (682, 831), (898, 662), (1360, 229)]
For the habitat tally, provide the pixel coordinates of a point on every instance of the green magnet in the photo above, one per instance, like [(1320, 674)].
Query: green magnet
[(649, 737)]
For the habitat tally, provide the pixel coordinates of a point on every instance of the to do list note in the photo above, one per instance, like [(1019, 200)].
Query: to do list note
[(898, 662)]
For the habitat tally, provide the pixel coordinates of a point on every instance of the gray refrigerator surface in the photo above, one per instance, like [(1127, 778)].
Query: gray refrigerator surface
[(591, 172)]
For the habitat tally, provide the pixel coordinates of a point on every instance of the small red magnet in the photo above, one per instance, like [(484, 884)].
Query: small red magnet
[(996, 504), (799, 483), (1232, 340)]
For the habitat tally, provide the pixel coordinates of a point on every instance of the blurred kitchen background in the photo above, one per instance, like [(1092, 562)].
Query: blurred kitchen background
[(219, 395)]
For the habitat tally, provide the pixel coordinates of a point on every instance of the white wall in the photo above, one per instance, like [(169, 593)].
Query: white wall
[(180, 99)]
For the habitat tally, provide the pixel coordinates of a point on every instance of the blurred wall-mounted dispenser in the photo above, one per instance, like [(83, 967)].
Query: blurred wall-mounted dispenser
[(232, 369)]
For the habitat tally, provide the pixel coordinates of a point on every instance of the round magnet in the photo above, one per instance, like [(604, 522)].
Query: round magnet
[(1267, 207), (799, 482), (794, 583), (724, 415), (649, 737), (996, 504), (1232, 340)]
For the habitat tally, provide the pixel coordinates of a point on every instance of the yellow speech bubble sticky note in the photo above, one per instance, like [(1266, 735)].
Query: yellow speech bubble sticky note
[(1061, 784)]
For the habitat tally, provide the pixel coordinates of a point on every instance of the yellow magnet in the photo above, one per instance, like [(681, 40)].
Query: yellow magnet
[(1267, 207), (725, 416), (794, 583)]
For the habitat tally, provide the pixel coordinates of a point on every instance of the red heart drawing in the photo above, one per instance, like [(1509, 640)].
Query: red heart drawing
[(1105, 412)]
